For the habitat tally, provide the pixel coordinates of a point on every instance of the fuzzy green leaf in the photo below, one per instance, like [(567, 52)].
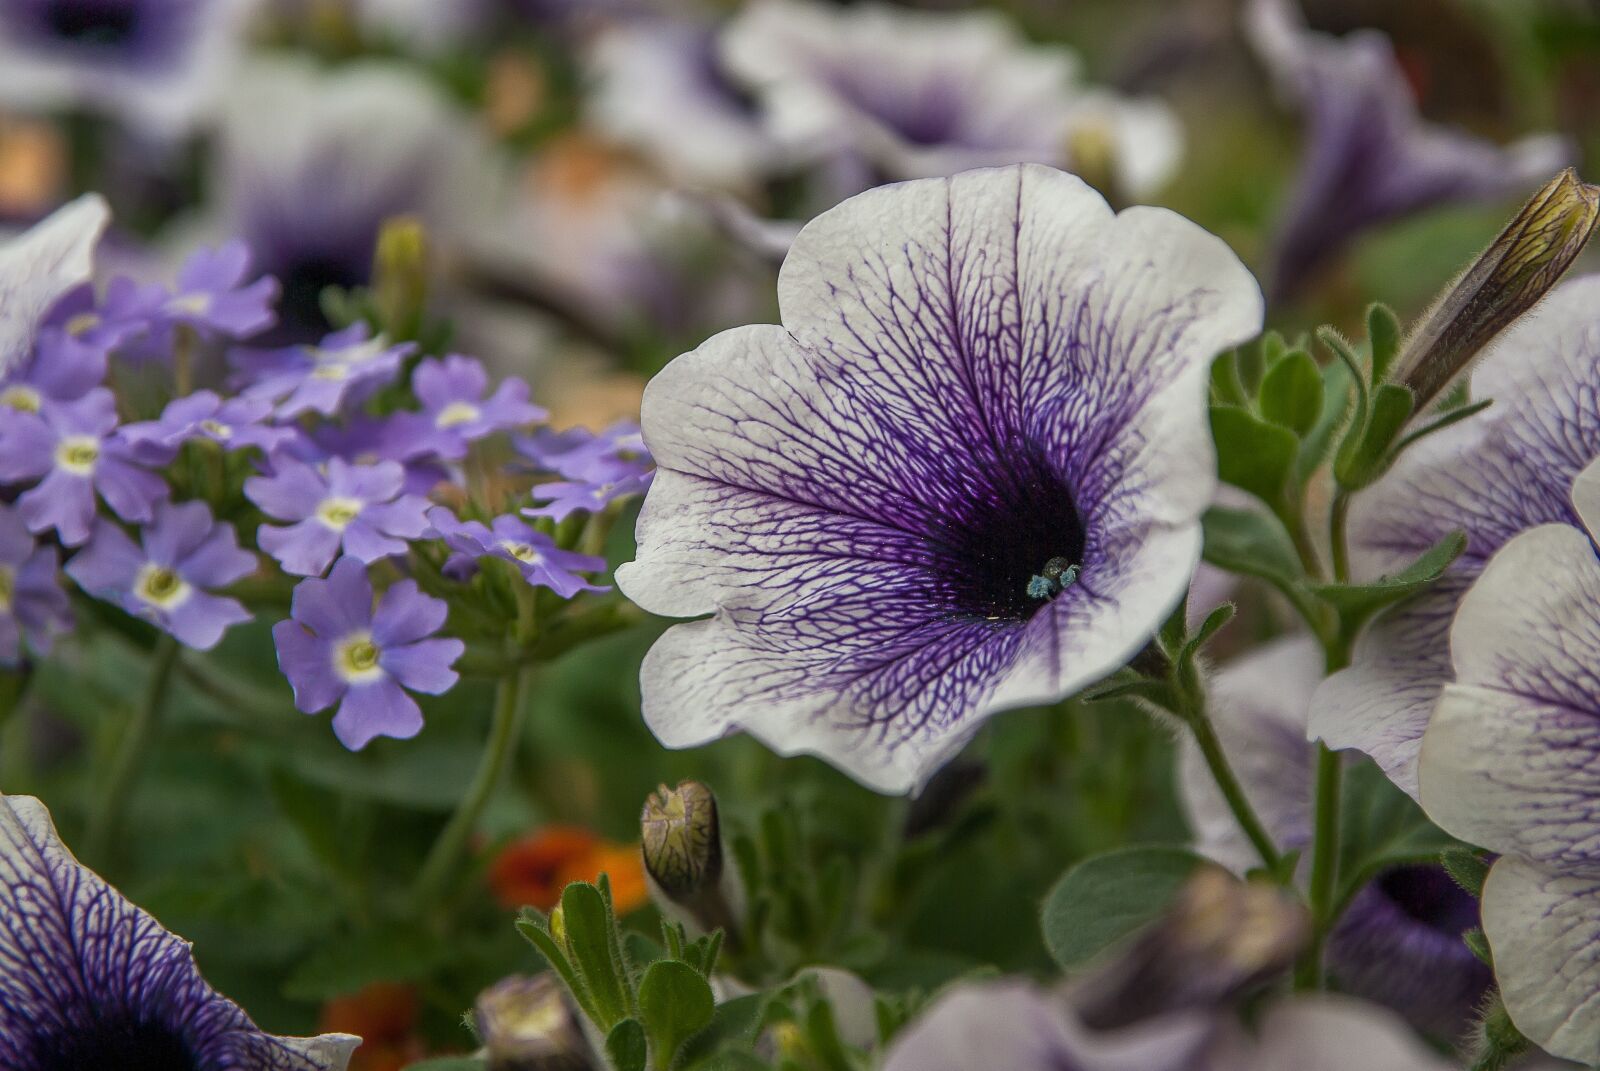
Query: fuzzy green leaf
[(1291, 392), (1106, 897)]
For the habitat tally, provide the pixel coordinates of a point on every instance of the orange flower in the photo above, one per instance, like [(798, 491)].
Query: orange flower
[(535, 869), (384, 1016)]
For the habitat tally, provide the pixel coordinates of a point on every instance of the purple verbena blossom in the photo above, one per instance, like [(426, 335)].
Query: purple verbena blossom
[(214, 297), (361, 509), (366, 440), (167, 579), (455, 411), (73, 450), (232, 423), (87, 980), (33, 608), (61, 367), (562, 498), (336, 648), (344, 369), (535, 555), (580, 454)]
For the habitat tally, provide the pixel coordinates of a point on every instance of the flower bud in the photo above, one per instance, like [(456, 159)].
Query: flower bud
[(682, 839), (1519, 267), (400, 275), (526, 1024)]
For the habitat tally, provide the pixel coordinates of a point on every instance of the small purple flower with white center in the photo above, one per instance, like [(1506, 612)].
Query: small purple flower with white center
[(359, 509), (344, 369), (536, 556), (580, 454), (216, 297), (560, 499), (73, 450), (33, 608), (88, 980), (965, 475), (455, 411), (50, 260), (60, 368), (336, 648), (167, 580), (231, 423), (366, 440)]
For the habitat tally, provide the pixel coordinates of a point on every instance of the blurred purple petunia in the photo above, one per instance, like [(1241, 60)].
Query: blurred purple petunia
[(73, 450), (455, 411), (964, 476), (338, 649), (88, 980), (361, 509), (167, 581), (344, 369), (536, 556), (33, 608), (232, 423)]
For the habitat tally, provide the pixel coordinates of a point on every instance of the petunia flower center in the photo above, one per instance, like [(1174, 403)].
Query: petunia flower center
[(1057, 575), (21, 398), (77, 454), (161, 587), (108, 1041), (337, 512), (523, 552), (8, 587), (355, 658), (216, 429), (1428, 895), (457, 413)]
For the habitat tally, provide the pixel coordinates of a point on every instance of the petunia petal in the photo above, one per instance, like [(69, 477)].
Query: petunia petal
[(42, 265)]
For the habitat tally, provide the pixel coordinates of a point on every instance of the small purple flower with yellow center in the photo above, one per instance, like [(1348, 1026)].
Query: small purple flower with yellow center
[(580, 454), (60, 368), (455, 411), (336, 648), (73, 450), (33, 608), (536, 556), (167, 580), (367, 440), (214, 297), (88, 980), (981, 383), (231, 423), (37, 269), (344, 369), (361, 509), (562, 498)]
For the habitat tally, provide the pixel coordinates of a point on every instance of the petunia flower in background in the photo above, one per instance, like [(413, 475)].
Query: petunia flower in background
[(87, 979), (73, 450), (979, 380), (535, 555), (336, 648), (924, 94), (1508, 763), (33, 608), (458, 409), (1370, 158), (231, 423), (41, 266), (168, 579), (1505, 470), (342, 370), (1399, 943), (359, 510)]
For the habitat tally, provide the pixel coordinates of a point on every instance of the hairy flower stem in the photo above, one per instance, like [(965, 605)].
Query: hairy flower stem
[(105, 823), (446, 852), (1205, 735)]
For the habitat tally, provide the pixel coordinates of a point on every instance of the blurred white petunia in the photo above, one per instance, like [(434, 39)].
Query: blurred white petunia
[(157, 64), (1511, 761), (41, 265)]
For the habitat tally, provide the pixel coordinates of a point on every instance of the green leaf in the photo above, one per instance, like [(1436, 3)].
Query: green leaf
[(1252, 454), (1208, 628), (1225, 385), (1316, 444), (732, 1024), (1467, 868), (676, 1003), (625, 1046), (1383, 335), (1479, 944), (1364, 459), (1251, 362), (1251, 542), (1106, 897), (1291, 392), (1447, 418), (596, 952), (538, 935), (1357, 602), (451, 1063)]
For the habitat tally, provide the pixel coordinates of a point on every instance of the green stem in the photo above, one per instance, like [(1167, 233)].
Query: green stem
[(1205, 735), (1324, 865), (446, 851), (105, 822), (1337, 516)]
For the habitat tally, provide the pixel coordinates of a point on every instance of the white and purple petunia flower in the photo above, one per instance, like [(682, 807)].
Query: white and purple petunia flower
[(535, 555), (358, 510), (42, 266), (458, 408), (167, 578), (964, 476), (925, 94), (342, 370), (1511, 761), (336, 648), (73, 450), (231, 423), (33, 608), (158, 64), (1399, 943), (1370, 158), (1505, 470), (88, 980)]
